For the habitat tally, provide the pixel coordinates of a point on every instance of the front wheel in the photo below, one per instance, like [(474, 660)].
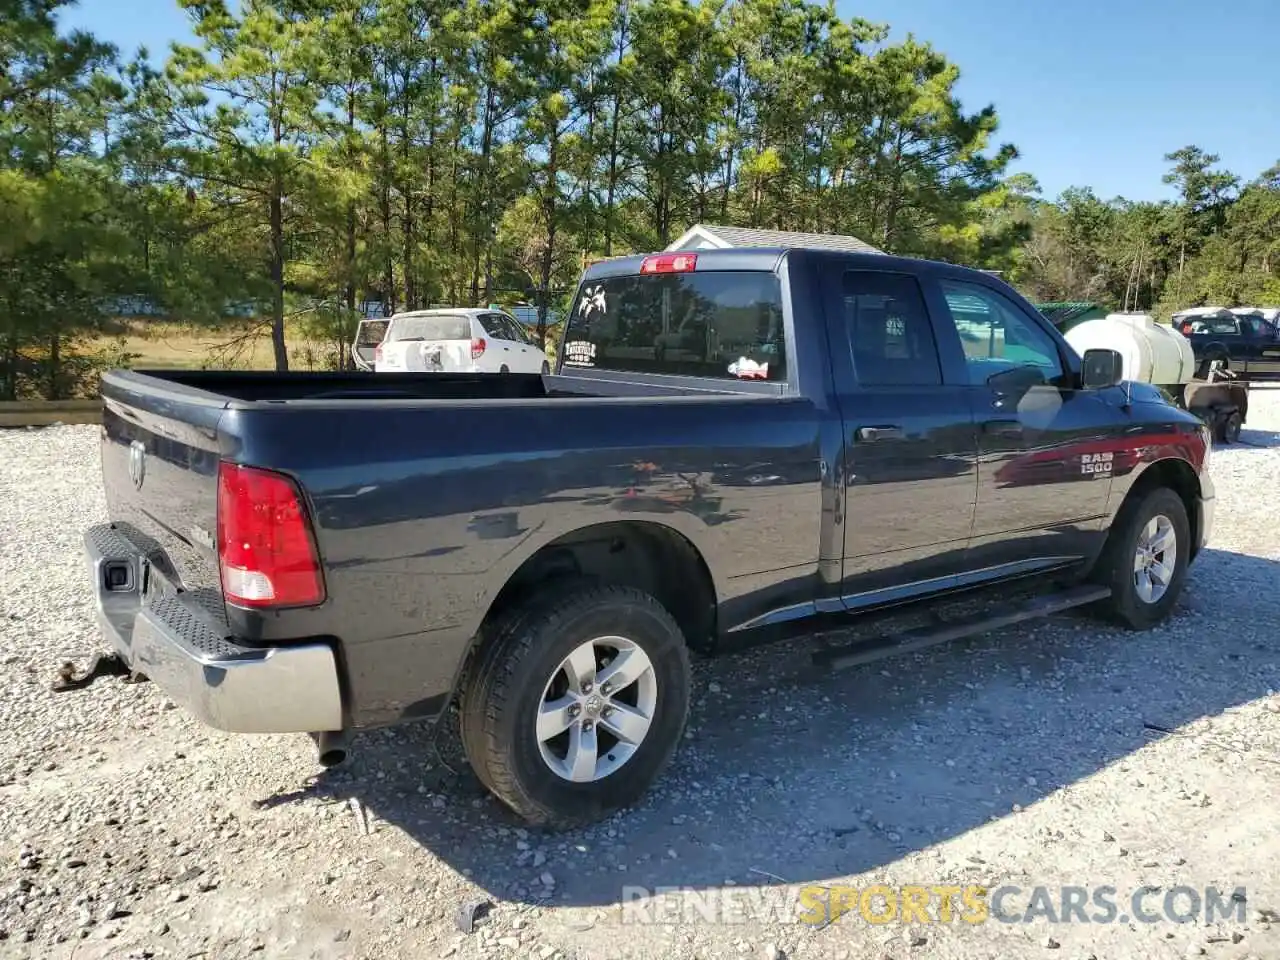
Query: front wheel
[(577, 703), (1146, 558)]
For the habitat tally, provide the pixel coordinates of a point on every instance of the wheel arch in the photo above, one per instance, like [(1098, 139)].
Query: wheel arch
[(650, 555), (1175, 474)]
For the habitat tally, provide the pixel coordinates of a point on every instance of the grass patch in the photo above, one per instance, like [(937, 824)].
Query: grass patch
[(240, 346)]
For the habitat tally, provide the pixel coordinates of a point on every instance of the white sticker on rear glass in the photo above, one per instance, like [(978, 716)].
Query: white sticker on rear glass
[(745, 369), (592, 301), (580, 353)]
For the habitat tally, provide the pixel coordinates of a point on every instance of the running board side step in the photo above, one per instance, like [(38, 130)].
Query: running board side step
[(839, 657)]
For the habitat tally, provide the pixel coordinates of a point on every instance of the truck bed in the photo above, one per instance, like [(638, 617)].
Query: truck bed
[(264, 386), (270, 386)]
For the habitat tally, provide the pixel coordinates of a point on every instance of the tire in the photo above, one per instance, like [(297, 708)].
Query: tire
[(1117, 567), (504, 369), (520, 668), (1229, 428)]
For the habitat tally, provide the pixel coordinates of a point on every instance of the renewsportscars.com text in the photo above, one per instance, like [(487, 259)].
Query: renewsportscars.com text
[(880, 904)]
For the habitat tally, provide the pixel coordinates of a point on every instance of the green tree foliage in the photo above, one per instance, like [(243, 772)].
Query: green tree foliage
[(305, 156), (1216, 244)]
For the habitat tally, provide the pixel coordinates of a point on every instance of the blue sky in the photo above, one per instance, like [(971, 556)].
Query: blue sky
[(1093, 92)]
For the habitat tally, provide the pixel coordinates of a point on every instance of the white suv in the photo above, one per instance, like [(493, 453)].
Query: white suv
[(463, 340)]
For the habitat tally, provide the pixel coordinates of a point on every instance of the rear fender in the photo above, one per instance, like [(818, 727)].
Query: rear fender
[(684, 525)]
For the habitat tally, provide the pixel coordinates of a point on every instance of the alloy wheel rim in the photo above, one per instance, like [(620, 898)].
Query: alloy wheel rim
[(1155, 559), (596, 709)]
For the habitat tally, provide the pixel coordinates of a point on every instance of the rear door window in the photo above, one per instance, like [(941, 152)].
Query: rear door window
[(442, 327), (724, 324), (889, 331)]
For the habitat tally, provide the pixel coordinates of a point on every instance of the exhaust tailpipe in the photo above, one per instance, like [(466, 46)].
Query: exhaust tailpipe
[(331, 747)]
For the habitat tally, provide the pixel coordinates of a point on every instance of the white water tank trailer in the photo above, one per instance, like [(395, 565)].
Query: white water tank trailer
[(1152, 352)]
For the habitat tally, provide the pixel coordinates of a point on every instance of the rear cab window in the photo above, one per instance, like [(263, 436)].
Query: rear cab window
[(720, 324)]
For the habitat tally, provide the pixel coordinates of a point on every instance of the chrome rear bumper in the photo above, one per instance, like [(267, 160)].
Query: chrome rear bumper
[(180, 641)]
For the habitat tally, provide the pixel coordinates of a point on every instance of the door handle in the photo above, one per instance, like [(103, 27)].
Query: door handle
[(872, 434), (1003, 428)]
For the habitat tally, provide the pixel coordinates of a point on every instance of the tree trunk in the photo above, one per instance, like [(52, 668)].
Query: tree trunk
[(549, 251), (615, 124), (384, 205), (349, 266), (738, 104), (54, 391), (454, 226), (611, 183), (276, 215), (429, 213), (484, 222), (9, 388), (410, 252)]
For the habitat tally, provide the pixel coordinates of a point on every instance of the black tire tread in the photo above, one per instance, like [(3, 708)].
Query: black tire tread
[(500, 672), (1114, 567)]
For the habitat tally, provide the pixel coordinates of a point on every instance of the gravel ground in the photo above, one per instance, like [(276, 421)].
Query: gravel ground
[(1060, 754)]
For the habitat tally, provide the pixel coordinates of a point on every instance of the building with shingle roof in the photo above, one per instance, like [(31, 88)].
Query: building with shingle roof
[(705, 236)]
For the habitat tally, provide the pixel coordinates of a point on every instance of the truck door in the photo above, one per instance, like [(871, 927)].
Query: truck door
[(1045, 448), (1263, 353), (909, 472)]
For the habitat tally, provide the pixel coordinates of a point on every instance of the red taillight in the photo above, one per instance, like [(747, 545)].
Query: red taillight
[(477, 347), (266, 554), (669, 263)]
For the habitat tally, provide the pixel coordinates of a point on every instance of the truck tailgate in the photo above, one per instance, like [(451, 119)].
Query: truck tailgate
[(159, 467)]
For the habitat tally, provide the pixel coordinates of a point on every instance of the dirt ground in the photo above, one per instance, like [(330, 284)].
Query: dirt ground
[(1046, 764)]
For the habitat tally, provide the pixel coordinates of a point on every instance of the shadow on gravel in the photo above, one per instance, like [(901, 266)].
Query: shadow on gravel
[(1254, 439), (801, 778)]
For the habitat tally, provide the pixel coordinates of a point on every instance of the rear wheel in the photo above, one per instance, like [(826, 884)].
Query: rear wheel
[(577, 704), (1146, 557), (504, 369)]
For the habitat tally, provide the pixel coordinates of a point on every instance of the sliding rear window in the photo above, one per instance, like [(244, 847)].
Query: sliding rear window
[(446, 327), (725, 324)]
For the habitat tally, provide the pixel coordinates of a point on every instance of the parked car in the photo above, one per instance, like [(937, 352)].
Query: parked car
[(330, 553), (1245, 343), (369, 334), (453, 340)]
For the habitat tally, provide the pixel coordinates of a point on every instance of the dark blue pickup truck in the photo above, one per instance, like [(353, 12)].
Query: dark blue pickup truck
[(1247, 345), (731, 440)]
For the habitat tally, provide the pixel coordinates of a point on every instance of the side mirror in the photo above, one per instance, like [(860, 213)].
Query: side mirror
[(1100, 369)]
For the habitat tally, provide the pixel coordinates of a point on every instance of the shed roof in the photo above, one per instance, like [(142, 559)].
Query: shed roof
[(711, 236), (1065, 312)]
